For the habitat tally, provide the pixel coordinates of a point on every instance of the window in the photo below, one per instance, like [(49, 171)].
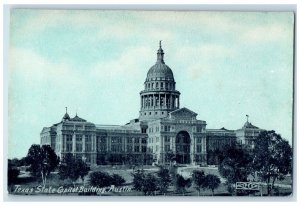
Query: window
[(78, 138), (88, 138), (69, 138), (144, 149), (78, 147), (199, 148), (199, 129), (144, 141), (198, 139), (129, 140), (167, 148), (136, 140), (116, 140), (167, 139), (129, 148), (88, 147), (161, 85), (137, 149), (69, 147), (157, 139)]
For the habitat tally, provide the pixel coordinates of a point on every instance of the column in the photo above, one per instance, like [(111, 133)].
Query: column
[(74, 142), (83, 143), (178, 102), (153, 98), (125, 143), (165, 100), (62, 142), (94, 143), (65, 143)]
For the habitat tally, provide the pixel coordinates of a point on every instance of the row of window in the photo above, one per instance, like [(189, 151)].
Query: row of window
[(162, 85), (119, 148), (79, 147)]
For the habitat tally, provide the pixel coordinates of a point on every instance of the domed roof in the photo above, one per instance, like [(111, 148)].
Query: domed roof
[(160, 70), (249, 125), (66, 116)]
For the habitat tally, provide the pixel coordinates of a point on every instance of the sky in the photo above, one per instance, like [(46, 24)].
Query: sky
[(225, 64)]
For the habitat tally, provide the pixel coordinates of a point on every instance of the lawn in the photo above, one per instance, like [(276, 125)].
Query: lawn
[(126, 172)]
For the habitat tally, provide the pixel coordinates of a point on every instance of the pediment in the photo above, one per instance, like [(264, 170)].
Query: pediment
[(183, 113)]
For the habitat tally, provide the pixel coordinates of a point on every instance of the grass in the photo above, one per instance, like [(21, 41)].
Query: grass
[(126, 171)]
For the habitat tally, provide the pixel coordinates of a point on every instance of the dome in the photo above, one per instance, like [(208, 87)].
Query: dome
[(160, 70), (249, 125)]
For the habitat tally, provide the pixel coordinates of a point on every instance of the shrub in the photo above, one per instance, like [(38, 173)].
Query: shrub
[(100, 179), (12, 175), (117, 180)]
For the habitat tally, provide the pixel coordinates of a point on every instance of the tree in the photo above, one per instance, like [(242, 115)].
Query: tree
[(150, 185), (170, 157), (42, 161), (100, 179), (138, 180), (12, 174), (198, 178), (235, 165), (164, 180), (117, 180), (72, 168), (211, 182), (272, 158), (181, 184)]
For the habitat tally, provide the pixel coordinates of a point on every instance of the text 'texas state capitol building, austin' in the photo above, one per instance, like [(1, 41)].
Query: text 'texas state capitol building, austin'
[(163, 130)]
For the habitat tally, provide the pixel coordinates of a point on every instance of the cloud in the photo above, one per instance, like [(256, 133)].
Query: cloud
[(129, 64), (274, 33)]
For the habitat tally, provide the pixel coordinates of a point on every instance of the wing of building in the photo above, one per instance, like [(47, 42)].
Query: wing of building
[(163, 132)]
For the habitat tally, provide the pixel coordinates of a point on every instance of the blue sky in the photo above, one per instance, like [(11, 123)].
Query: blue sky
[(226, 65)]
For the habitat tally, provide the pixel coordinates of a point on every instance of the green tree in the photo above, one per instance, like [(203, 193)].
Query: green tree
[(100, 179), (211, 182), (272, 158), (138, 180), (182, 184), (170, 157), (198, 178), (12, 175), (72, 168), (117, 180), (149, 185), (235, 165), (164, 180), (42, 160)]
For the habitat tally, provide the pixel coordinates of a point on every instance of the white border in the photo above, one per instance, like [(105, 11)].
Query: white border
[(159, 5)]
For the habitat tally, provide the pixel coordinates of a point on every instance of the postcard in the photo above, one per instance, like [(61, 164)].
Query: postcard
[(150, 103)]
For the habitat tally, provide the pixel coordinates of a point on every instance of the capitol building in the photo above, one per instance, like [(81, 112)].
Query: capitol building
[(162, 133)]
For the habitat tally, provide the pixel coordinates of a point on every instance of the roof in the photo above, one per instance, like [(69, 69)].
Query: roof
[(249, 125), (77, 119), (160, 70)]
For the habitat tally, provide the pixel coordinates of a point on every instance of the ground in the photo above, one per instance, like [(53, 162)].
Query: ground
[(284, 187)]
